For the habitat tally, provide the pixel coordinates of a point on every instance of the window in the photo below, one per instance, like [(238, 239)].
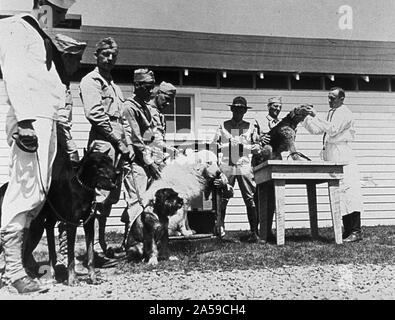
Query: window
[(179, 117), (272, 81), (172, 76), (307, 82), (236, 80), (200, 79), (345, 82), (374, 84)]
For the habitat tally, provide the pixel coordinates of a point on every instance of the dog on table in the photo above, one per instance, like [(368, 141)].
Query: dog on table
[(188, 175), (282, 137), (71, 200)]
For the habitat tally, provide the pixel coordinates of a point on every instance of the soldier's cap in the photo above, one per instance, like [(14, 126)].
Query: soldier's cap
[(66, 44), (106, 43), (274, 100), (64, 4), (167, 88), (143, 75), (240, 102)]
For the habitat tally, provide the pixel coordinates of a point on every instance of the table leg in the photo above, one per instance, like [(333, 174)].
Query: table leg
[(279, 192), (334, 197), (262, 210), (312, 200)]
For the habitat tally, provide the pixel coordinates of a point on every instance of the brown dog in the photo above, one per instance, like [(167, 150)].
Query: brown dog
[(282, 137), (148, 236)]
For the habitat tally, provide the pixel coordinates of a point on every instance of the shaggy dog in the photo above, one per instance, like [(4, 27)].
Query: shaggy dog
[(188, 176), (282, 137), (149, 236), (71, 200)]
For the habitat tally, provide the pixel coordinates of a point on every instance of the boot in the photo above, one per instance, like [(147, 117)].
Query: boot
[(355, 225), (253, 236), (347, 225), (13, 246)]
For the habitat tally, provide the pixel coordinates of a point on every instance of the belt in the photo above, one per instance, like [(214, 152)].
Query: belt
[(115, 119)]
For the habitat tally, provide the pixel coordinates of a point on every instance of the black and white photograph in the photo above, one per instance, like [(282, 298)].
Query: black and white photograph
[(213, 151)]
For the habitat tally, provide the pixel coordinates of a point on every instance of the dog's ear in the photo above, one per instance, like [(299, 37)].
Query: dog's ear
[(292, 113)]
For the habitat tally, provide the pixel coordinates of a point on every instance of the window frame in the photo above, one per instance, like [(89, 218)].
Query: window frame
[(184, 136)]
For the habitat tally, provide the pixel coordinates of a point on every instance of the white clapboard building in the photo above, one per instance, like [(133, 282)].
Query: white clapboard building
[(256, 49)]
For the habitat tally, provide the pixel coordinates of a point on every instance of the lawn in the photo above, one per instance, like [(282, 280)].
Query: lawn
[(377, 247)]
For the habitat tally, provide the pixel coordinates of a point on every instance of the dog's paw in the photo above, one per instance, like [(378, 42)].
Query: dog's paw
[(188, 232), (153, 261)]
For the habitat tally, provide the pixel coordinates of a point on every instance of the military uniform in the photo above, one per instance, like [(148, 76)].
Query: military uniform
[(237, 140)]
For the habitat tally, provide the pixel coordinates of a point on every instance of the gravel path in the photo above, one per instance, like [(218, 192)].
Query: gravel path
[(305, 282)]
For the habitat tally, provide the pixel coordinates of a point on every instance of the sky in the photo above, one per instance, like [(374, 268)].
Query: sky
[(362, 20)]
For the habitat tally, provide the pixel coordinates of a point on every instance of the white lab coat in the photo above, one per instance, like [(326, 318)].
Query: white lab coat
[(338, 132), (33, 93)]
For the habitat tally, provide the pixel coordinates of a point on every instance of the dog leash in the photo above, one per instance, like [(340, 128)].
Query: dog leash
[(60, 218)]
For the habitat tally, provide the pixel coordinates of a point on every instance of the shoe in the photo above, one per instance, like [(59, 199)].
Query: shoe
[(28, 285), (101, 261), (115, 253), (251, 237), (354, 237)]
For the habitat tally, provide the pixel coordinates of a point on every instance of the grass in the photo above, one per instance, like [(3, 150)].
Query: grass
[(377, 247)]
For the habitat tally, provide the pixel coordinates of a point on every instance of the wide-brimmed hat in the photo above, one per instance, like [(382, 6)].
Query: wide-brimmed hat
[(240, 102), (64, 4)]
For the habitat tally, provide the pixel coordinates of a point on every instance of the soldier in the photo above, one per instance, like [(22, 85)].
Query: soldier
[(163, 96), (142, 133), (236, 138), (103, 106)]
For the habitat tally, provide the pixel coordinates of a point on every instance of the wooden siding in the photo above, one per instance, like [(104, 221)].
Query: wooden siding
[(374, 146)]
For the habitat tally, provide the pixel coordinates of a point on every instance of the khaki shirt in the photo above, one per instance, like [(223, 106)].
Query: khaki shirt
[(103, 105)]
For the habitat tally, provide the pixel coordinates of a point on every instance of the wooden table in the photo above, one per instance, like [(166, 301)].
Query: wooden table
[(278, 173)]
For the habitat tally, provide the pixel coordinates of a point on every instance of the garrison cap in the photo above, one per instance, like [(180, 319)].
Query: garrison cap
[(66, 44), (143, 75), (106, 43), (167, 88), (240, 102), (274, 100)]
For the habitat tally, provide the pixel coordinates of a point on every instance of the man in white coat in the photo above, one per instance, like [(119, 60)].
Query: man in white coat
[(339, 132), (34, 94)]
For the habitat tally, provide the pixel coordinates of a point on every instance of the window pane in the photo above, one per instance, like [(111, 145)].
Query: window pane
[(236, 80), (183, 105), (203, 79), (183, 123), (271, 81), (374, 84), (167, 75), (170, 125), (306, 82), (347, 83), (169, 109)]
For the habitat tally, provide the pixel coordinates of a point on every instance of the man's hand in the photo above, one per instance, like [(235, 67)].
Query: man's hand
[(123, 149), (26, 138), (264, 139), (153, 171)]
